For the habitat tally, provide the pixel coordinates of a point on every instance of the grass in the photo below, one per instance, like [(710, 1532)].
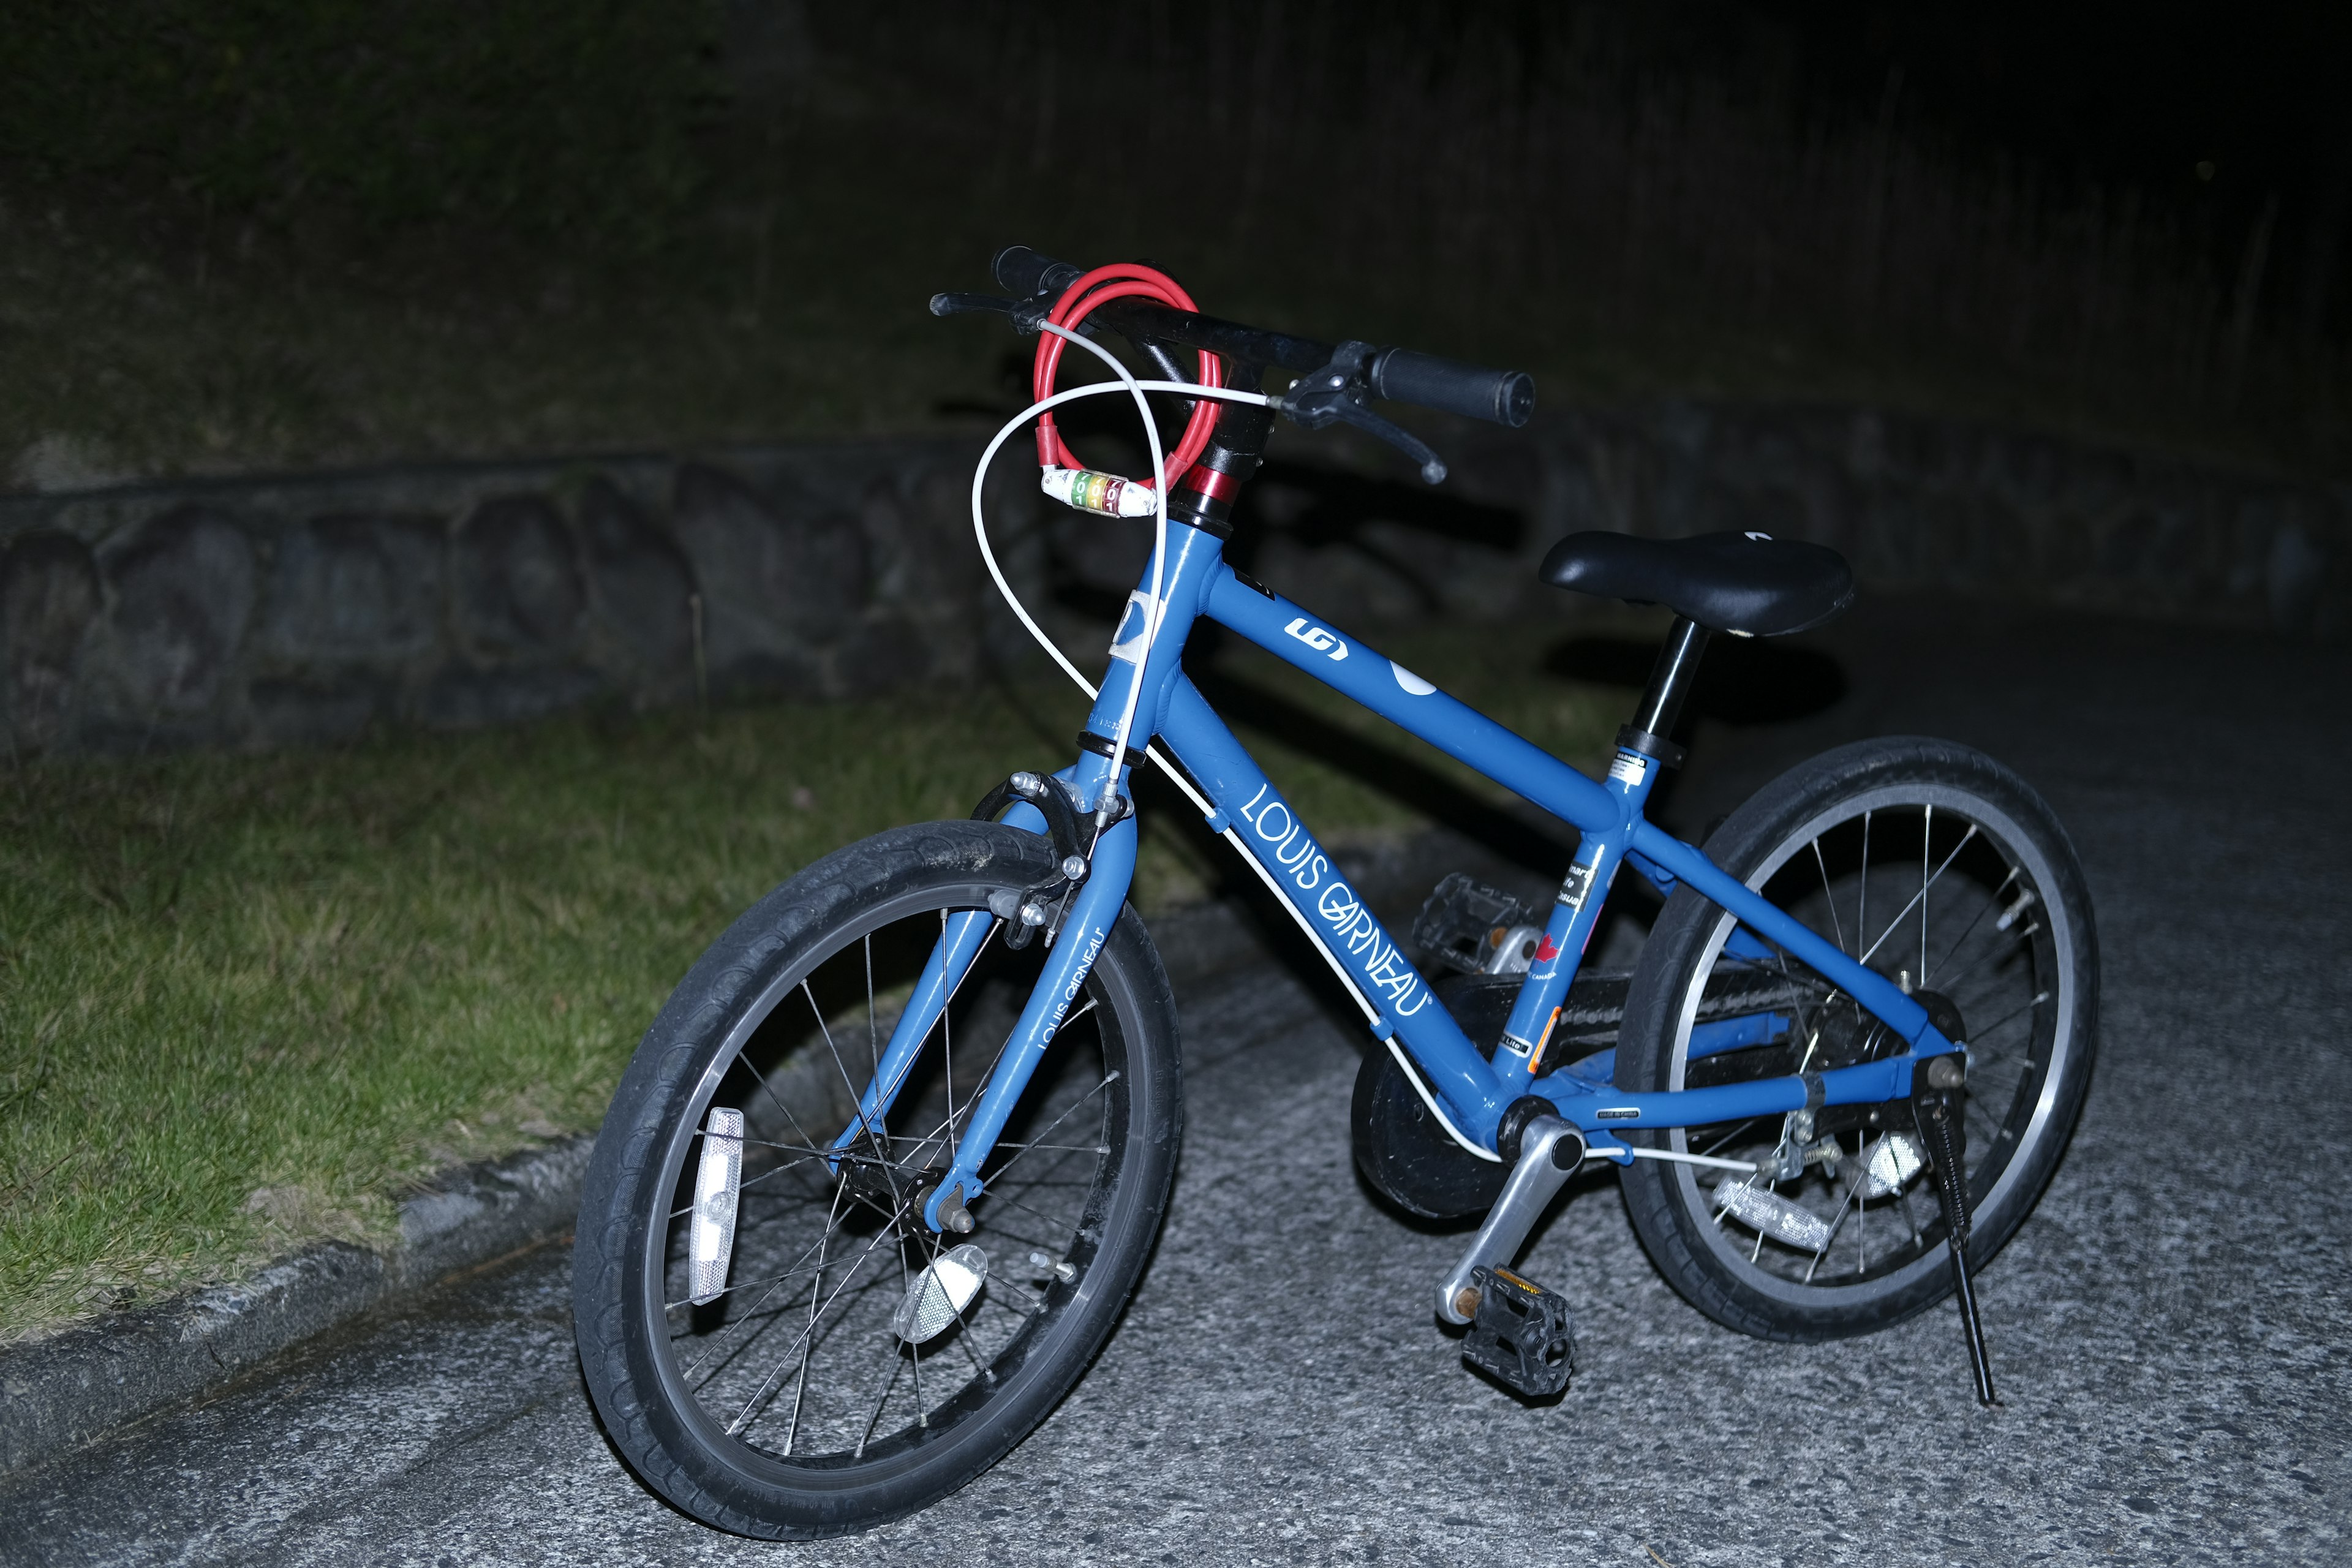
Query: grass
[(249, 1001)]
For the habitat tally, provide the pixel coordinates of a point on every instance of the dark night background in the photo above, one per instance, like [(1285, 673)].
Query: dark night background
[(266, 233)]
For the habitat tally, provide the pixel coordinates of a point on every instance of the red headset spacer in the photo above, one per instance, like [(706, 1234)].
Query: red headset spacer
[(1119, 280)]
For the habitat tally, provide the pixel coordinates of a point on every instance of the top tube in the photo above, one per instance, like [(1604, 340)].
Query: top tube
[(1412, 704)]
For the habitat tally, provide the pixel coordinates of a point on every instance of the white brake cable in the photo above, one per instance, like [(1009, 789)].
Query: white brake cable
[(1129, 384), (980, 521), (1152, 606)]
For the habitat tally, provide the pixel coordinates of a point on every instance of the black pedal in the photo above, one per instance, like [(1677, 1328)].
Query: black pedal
[(1519, 1336), (1462, 917)]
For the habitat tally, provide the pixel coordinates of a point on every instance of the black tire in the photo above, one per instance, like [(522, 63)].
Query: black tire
[(1844, 839), (742, 1412)]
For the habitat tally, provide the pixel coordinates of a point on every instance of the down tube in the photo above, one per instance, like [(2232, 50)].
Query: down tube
[(1247, 803)]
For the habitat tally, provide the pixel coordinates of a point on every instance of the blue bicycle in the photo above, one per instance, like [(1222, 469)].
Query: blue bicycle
[(890, 1161)]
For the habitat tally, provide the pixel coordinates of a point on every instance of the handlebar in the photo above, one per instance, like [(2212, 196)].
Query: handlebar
[(1399, 375), (1449, 386)]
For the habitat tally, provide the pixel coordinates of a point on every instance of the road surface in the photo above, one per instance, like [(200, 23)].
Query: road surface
[(2168, 1330)]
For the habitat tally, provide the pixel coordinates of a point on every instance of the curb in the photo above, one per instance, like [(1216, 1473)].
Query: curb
[(83, 1382)]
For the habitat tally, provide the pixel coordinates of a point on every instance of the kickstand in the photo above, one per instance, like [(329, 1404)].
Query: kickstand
[(1936, 1106)]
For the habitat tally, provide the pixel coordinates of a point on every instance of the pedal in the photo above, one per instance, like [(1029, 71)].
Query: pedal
[(1478, 930), (1520, 1335)]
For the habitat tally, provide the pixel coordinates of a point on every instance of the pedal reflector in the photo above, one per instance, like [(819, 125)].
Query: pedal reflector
[(711, 1239), (1893, 1160), (938, 1296), (1519, 1336), (1773, 1215)]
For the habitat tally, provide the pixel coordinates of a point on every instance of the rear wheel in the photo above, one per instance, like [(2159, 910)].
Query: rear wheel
[(1942, 871), (824, 1386)]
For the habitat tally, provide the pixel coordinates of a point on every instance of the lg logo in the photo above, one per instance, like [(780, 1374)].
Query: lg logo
[(1316, 637)]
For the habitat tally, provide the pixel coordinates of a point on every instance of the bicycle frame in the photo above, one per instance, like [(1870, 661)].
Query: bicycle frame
[(1469, 1092)]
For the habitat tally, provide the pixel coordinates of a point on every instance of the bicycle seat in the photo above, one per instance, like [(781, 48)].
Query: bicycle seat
[(1749, 584)]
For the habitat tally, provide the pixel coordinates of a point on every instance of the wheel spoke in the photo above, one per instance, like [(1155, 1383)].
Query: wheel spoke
[(1920, 896), (833, 1224), (1862, 881), (1926, 839), (2023, 945), (2008, 1018), (1065, 1115), (1837, 927), (880, 1399), (855, 1267), (1991, 902), (1836, 1220)]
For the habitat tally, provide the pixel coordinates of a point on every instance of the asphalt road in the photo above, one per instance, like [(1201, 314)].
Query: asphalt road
[(2169, 1329)]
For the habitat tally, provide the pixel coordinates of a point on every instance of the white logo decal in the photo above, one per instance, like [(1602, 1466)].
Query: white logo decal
[(1070, 991), (1381, 966), (1412, 683), (1128, 641), (1316, 637)]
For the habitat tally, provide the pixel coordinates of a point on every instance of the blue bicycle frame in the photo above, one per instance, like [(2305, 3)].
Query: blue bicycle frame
[(1469, 1091)]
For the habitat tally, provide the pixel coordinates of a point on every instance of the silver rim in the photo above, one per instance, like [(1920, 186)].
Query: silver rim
[(796, 1368), (1946, 893)]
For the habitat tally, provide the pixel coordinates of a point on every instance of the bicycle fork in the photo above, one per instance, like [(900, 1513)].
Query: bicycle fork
[(1093, 909)]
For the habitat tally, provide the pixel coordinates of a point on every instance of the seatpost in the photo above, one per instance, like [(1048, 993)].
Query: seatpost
[(1662, 703)]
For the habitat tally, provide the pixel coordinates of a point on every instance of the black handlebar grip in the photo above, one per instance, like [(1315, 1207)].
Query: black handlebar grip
[(1449, 386), (1026, 274)]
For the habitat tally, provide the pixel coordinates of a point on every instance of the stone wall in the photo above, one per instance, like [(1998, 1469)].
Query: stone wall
[(268, 611), (307, 609)]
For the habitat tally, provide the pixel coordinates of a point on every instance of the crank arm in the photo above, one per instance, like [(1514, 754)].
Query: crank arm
[(1549, 1152)]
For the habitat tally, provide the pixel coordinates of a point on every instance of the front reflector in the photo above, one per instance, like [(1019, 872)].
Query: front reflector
[(1773, 1215), (939, 1294), (712, 1240)]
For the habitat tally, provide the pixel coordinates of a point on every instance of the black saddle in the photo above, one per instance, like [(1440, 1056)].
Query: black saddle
[(1749, 584)]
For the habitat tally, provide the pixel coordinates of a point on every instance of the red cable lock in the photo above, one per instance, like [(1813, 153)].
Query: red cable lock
[(1119, 280)]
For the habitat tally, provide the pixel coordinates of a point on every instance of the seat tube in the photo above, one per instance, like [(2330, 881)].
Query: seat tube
[(1575, 913)]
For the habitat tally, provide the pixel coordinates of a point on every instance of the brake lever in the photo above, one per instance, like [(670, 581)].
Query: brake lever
[(1339, 394)]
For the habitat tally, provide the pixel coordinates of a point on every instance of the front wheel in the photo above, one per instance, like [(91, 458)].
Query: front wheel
[(817, 1379), (1943, 871)]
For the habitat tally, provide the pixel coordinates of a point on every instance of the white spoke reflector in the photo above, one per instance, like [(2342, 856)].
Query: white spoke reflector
[(939, 1294), (1893, 1160), (711, 1241), (1773, 1215)]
